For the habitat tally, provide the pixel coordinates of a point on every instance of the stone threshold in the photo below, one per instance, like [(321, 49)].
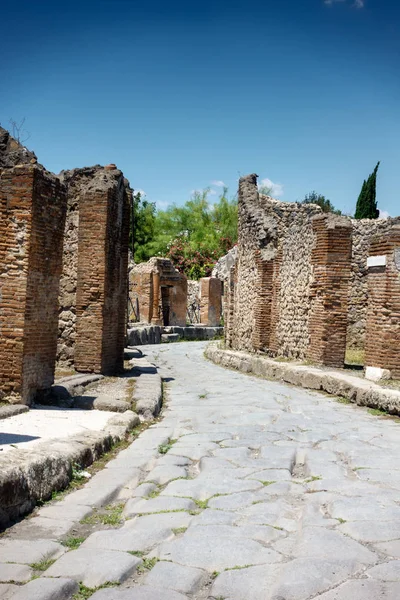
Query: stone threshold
[(359, 391)]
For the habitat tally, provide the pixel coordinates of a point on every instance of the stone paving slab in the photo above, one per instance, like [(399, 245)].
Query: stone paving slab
[(145, 592), (94, 567), (47, 589), (11, 573), (186, 580), (29, 551)]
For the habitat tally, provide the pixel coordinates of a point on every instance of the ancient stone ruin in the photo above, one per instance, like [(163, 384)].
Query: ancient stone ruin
[(73, 227), (158, 293), (299, 286)]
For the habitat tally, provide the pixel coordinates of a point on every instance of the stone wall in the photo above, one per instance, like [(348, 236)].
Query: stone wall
[(32, 216), (102, 273), (273, 290), (383, 313), (210, 301), (364, 231)]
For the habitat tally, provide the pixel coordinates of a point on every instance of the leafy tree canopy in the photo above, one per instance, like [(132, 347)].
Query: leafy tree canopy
[(194, 236), (324, 203), (367, 207)]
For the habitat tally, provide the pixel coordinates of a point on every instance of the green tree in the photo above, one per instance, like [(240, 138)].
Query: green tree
[(324, 203), (194, 236), (142, 232), (366, 207)]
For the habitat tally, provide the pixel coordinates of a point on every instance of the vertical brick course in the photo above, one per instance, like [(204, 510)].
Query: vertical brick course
[(101, 298), (331, 260), (32, 216), (383, 313)]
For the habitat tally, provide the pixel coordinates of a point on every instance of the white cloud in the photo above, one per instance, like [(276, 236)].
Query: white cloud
[(276, 189), (359, 3), (162, 204), (141, 192), (383, 214), (218, 183), (212, 192)]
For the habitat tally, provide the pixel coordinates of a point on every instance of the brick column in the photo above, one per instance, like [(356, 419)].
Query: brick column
[(382, 358), (32, 216), (101, 298), (331, 260), (142, 289), (178, 296), (263, 302), (210, 301)]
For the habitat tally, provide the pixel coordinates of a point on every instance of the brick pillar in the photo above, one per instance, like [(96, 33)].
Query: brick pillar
[(331, 260), (210, 301), (32, 216), (263, 302), (142, 289), (382, 358), (155, 319), (178, 297), (102, 276)]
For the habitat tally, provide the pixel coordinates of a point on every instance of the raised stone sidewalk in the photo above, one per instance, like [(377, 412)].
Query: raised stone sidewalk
[(333, 381)]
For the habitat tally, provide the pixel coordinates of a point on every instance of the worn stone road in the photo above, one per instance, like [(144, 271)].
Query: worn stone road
[(261, 491)]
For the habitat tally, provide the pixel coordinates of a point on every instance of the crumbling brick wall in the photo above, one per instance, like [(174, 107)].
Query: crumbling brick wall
[(275, 277), (78, 182), (383, 313), (102, 273), (32, 216)]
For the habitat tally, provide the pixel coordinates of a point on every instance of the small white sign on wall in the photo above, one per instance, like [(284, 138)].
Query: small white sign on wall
[(376, 261)]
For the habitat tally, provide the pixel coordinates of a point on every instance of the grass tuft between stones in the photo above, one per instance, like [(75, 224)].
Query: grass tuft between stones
[(164, 448), (43, 565), (178, 530), (113, 516), (73, 542), (147, 564), (85, 592)]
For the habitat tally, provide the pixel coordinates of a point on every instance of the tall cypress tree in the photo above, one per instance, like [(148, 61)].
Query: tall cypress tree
[(366, 204)]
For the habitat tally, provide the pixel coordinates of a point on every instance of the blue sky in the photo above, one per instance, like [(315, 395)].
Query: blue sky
[(306, 93)]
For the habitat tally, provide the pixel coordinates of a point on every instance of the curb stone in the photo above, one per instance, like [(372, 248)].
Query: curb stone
[(147, 394), (356, 390)]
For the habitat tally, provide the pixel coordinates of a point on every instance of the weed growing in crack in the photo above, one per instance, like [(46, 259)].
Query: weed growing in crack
[(113, 516), (179, 530), (201, 503), (138, 553), (341, 521), (43, 565), (85, 592), (266, 483), (147, 564), (73, 542), (164, 448)]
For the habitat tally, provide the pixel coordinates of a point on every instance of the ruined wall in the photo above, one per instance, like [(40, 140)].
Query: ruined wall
[(288, 293), (210, 301), (160, 292), (273, 273), (32, 216), (363, 232), (383, 313), (102, 273), (78, 182)]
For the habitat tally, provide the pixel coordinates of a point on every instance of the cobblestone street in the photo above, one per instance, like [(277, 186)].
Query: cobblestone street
[(245, 490)]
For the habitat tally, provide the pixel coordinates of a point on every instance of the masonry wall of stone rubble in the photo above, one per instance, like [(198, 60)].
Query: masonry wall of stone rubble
[(290, 293), (32, 216), (364, 231), (383, 313), (273, 273), (210, 301), (102, 274)]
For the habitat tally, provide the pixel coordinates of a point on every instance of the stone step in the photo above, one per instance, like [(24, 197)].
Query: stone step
[(170, 337)]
